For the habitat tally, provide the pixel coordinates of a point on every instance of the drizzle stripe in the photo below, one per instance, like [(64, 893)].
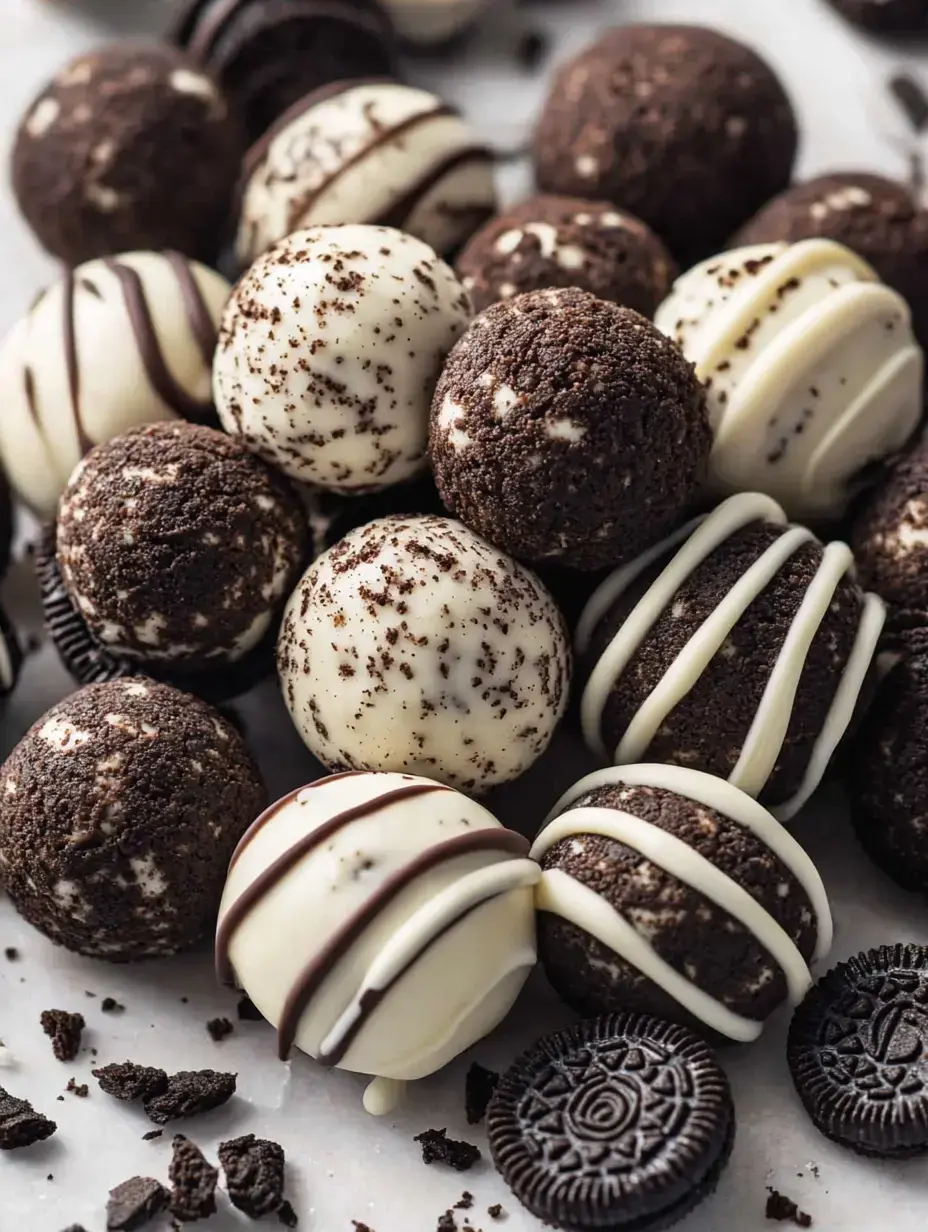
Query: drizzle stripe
[(401, 211), (68, 292), (201, 323)]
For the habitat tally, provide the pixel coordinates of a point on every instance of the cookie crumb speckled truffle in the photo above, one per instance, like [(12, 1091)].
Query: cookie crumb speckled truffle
[(717, 910), (568, 430), (99, 154), (119, 811), (703, 109), (895, 17), (330, 350), (177, 546), (566, 242)]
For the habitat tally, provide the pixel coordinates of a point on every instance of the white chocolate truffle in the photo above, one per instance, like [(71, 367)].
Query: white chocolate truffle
[(430, 22), (812, 369), (117, 343), (379, 152), (384, 923), (330, 351), (414, 645)]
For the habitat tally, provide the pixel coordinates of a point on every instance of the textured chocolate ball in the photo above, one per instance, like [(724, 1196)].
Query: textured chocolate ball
[(119, 811), (878, 218), (566, 242), (268, 54), (682, 126), (885, 16), (718, 910), (178, 546), (129, 147), (568, 430)]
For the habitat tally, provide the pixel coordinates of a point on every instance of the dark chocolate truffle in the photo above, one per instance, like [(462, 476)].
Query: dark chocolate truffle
[(129, 147), (178, 546), (119, 812), (566, 242), (268, 54), (745, 657), (714, 926), (885, 16), (569, 430), (681, 125), (879, 219)]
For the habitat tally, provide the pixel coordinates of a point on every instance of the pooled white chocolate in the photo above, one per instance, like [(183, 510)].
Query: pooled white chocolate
[(383, 922), (812, 369)]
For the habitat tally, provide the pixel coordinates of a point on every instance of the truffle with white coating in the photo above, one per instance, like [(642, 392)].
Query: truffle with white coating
[(119, 810), (414, 645), (329, 353), (812, 370), (428, 23), (375, 152)]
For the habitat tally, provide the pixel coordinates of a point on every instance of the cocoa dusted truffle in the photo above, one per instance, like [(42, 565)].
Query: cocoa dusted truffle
[(567, 242), (129, 147), (683, 126), (885, 16), (568, 430), (119, 811), (177, 547)]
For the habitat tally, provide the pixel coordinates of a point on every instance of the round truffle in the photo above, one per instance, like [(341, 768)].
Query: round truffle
[(738, 646), (812, 370), (329, 354), (566, 242), (885, 16), (705, 110), (670, 892), (177, 546), (268, 54), (119, 811), (407, 916), (429, 23), (414, 645), (129, 147), (879, 219), (366, 152), (569, 430), (117, 343)]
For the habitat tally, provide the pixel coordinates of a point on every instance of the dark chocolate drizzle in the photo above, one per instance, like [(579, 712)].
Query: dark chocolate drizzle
[(399, 213), (198, 314), (69, 289)]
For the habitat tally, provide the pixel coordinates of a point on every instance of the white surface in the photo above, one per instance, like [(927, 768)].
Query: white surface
[(343, 1165)]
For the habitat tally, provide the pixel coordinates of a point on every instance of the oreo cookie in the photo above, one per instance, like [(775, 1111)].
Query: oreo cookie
[(858, 1053), (624, 1122)]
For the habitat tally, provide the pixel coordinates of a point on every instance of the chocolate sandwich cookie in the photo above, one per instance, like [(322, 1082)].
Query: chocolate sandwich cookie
[(858, 1053), (623, 1122), (896, 17)]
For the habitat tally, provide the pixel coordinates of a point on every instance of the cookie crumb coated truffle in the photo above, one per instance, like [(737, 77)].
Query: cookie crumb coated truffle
[(375, 152), (811, 369), (117, 343), (98, 154), (670, 892), (686, 128), (119, 811), (567, 242), (330, 350), (414, 645), (568, 430), (177, 546)]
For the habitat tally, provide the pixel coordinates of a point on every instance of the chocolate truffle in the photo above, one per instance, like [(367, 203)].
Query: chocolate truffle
[(569, 430), (879, 219), (681, 125), (670, 892), (566, 242), (116, 343), (366, 152), (129, 147), (268, 54), (885, 16), (177, 546), (738, 646), (330, 350), (119, 811), (812, 371), (414, 645), (408, 922)]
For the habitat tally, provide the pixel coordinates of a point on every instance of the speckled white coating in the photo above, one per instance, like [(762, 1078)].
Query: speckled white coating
[(414, 645), (51, 416), (433, 21), (378, 152), (812, 368), (330, 351)]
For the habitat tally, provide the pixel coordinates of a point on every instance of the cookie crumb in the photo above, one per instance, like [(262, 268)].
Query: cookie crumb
[(188, 1093), (465, 1202), (109, 1005), (81, 1090), (496, 1211), (532, 50), (11, 954), (64, 1029), (446, 1223), (248, 1011), (193, 1182), (254, 1169), (129, 1081), (479, 1086), (784, 1210), (438, 1148), (361, 1227), (152, 1135), (20, 1124), (133, 1203), (219, 1029), (287, 1215)]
